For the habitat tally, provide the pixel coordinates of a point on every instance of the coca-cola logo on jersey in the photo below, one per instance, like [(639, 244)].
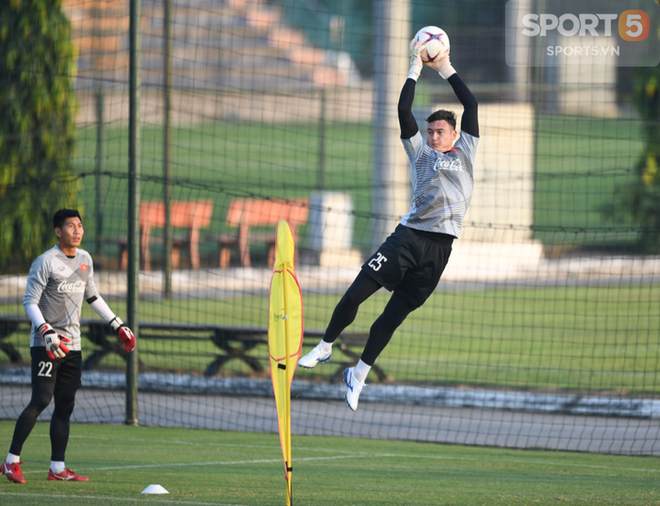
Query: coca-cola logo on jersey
[(77, 287), (453, 165)]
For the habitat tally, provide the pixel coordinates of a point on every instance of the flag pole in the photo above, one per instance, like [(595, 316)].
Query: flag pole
[(287, 362)]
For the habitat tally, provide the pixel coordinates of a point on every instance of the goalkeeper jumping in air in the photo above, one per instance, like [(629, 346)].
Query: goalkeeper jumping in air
[(411, 260), (59, 280)]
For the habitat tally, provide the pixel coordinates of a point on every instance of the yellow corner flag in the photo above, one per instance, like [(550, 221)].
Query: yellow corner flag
[(285, 333)]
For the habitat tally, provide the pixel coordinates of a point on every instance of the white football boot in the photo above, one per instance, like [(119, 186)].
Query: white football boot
[(354, 387), (314, 357)]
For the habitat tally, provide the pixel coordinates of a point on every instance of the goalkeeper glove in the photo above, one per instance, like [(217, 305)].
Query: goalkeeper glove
[(54, 343), (442, 67), (416, 63), (124, 333)]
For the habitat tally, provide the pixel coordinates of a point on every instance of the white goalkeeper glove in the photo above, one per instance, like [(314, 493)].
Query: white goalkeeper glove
[(124, 333), (416, 63), (54, 343), (442, 67)]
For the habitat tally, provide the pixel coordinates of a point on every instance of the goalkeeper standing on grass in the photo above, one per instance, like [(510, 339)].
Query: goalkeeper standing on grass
[(410, 262), (59, 280)]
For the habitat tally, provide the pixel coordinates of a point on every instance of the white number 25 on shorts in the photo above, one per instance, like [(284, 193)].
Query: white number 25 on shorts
[(377, 262)]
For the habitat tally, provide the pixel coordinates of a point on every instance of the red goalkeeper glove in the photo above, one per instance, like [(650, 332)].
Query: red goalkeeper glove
[(124, 333), (54, 343)]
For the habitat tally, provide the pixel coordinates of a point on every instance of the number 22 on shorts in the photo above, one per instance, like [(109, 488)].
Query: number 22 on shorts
[(377, 262), (45, 369)]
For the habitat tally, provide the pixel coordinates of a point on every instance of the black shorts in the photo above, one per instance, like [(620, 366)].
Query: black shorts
[(410, 263), (65, 373)]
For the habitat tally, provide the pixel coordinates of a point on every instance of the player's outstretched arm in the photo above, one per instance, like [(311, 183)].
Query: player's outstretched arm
[(469, 120), (406, 119), (103, 310)]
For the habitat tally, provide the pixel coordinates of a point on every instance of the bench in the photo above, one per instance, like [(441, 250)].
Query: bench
[(8, 325), (192, 215), (245, 214), (234, 342)]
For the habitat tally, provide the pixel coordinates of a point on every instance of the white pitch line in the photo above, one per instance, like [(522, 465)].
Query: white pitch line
[(113, 499), (194, 464), (168, 441), (277, 448), (225, 463)]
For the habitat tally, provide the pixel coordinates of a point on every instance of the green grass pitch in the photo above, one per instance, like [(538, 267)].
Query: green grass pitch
[(201, 467)]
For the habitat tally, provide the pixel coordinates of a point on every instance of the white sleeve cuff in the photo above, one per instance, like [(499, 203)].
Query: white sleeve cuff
[(102, 309), (446, 72)]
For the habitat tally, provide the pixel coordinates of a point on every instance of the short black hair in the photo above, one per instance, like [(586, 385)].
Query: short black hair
[(441, 114), (61, 216)]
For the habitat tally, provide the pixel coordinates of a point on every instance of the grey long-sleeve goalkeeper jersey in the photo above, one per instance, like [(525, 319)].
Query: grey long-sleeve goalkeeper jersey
[(58, 285), (442, 184)]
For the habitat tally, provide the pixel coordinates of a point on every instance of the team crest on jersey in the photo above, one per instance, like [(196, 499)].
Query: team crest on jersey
[(83, 267)]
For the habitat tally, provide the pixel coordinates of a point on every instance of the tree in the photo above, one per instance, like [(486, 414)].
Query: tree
[(638, 203), (37, 129)]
